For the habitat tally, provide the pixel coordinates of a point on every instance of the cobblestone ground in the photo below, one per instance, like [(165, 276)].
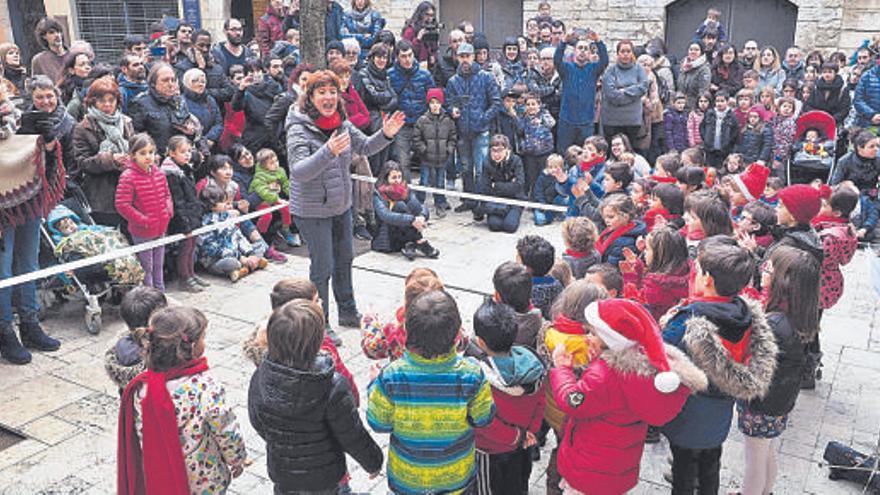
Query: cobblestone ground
[(67, 408)]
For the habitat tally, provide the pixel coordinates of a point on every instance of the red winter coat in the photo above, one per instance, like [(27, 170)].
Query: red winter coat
[(608, 412), (839, 243), (355, 109), (144, 201), (658, 291), (269, 30)]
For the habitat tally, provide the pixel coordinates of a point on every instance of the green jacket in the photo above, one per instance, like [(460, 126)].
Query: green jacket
[(263, 178)]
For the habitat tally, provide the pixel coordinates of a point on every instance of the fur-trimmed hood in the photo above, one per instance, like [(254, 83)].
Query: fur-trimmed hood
[(633, 361), (744, 381)]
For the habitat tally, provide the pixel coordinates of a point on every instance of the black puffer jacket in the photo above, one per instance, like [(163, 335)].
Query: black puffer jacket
[(446, 68), (505, 179), (729, 131), (375, 90), (309, 421), (862, 171), (434, 139), (830, 97), (784, 388), (187, 207), (158, 116), (256, 101)]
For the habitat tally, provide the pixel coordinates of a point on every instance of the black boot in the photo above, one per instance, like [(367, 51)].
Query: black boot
[(10, 348), (33, 337), (427, 250), (808, 373)]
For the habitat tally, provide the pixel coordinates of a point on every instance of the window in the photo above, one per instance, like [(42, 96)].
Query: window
[(106, 23)]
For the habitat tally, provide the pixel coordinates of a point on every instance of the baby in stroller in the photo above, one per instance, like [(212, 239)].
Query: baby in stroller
[(73, 239), (814, 150)]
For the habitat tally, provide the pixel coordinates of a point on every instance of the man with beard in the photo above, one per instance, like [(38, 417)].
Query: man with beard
[(50, 61), (793, 65), (448, 64), (749, 54), (255, 96), (474, 98), (232, 51), (132, 79), (199, 57), (411, 83), (544, 82), (578, 106)]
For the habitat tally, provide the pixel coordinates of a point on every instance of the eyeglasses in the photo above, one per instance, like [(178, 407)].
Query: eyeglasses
[(582, 47)]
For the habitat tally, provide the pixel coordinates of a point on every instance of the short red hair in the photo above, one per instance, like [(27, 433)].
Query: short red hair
[(101, 87)]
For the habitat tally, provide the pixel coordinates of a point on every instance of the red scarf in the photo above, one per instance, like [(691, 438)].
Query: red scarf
[(330, 123), (161, 443), (827, 219), (568, 326), (608, 236), (651, 216), (660, 179), (394, 192), (588, 165), (577, 254), (697, 235)]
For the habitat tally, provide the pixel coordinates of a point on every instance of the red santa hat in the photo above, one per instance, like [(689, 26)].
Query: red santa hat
[(752, 181), (621, 324), (802, 201)]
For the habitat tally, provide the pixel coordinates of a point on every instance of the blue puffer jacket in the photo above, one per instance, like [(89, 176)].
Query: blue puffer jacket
[(362, 25), (866, 99), (411, 86), (578, 92), (537, 133), (704, 331), (477, 97)]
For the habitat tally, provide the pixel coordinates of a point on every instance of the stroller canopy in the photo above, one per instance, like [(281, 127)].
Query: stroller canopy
[(817, 119)]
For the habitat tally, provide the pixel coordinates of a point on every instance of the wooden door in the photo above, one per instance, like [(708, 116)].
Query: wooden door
[(497, 19)]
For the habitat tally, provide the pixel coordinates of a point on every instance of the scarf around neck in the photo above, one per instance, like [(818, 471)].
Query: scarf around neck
[(568, 326), (394, 192), (330, 123), (160, 448), (607, 237), (113, 127)]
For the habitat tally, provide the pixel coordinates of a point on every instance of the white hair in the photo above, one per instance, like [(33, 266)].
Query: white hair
[(191, 74), (351, 44), (548, 51), (456, 33)]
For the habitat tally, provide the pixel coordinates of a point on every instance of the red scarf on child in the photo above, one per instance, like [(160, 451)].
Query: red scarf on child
[(818, 219), (740, 351), (651, 216), (662, 179), (568, 326), (608, 236), (161, 449), (394, 192), (577, 254), (588, 165)]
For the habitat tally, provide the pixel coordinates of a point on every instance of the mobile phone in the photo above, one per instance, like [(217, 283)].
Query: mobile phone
[(29, 119), (158, 51)]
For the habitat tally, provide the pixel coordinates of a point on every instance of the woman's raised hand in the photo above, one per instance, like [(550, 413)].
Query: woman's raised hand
[(339, 142), (392, 125)]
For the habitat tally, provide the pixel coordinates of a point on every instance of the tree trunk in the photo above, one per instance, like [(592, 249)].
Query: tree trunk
[(311, 17)]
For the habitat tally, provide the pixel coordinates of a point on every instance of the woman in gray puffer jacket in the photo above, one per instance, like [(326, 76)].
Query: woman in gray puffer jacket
[(623, 86), (320, 146)]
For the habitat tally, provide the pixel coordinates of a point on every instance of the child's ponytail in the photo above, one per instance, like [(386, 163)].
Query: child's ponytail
[(170, 339)]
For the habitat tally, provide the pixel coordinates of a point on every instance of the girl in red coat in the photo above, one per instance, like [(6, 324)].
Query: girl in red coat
[(144, 201), (635, 381), (661, 280)]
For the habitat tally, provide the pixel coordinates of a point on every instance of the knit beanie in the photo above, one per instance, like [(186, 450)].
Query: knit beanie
[(435, 93), (335, 45), (621, 324), (802, 201), (752, 181), (480, 42)]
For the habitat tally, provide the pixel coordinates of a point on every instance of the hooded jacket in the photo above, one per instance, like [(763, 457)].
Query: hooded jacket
[(309, 421), (729, 131), (434, 139), (608, 411), (704, 331), (839, 244), (517, 382), (831, 98), (100, 173), (675, 127), (537, 133), (320, 184), (477, 97), (188, 209), (801, 237), (143, 199), (411, 86)]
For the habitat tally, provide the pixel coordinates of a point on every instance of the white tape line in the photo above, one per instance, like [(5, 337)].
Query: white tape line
[(475, 197), (104, 258)]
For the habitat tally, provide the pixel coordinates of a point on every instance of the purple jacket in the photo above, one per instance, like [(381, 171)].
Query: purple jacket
[(675, 127)]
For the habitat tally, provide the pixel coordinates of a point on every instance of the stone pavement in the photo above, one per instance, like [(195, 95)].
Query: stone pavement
[(67, 407)]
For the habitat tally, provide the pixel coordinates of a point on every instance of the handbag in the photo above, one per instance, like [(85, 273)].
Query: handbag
[(26, 190)]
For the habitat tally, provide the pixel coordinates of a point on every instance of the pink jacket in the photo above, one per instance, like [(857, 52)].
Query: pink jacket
[(839, 243), (608, 412), (144, 201), (695, 118)]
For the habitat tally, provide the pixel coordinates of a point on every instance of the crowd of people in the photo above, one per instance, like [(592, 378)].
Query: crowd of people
[(692, 284)]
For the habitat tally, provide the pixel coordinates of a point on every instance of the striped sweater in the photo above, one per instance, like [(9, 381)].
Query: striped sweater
[(430, 407)]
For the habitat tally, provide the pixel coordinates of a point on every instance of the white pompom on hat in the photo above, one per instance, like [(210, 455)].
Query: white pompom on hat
[(622, 323)]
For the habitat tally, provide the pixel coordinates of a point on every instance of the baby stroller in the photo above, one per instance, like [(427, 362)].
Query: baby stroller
[(813, 160), (93, 283)]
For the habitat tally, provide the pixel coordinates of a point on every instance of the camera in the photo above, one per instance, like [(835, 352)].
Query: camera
[(432, 31)]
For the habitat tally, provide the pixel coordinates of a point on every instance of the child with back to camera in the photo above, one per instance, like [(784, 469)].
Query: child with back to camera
[(538, 255), (296, 389), (124, 360), (513, 287), (579, 235), (177, 434)]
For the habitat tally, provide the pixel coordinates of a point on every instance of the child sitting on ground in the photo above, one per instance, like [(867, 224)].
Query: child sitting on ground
[(622, 228), (659, 281), (426, 454), (634, 381), (174, 420), (271, 185), (579, 235), (666, 207), (125, 360), (225, 251), (516, 375), (256, 345), (865, 216), (296, 389), (607, 277), (550, 190), (75, 240), (401, 218), (728, 338), (513, 287), (538, 255)]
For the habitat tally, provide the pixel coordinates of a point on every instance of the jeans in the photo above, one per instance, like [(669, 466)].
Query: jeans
[(545, 217), (507, 222), (153, 262), (568, 134), (21, 252), (403, 146), (691, 464), (330, 255), (473, 151), (432, 177)]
